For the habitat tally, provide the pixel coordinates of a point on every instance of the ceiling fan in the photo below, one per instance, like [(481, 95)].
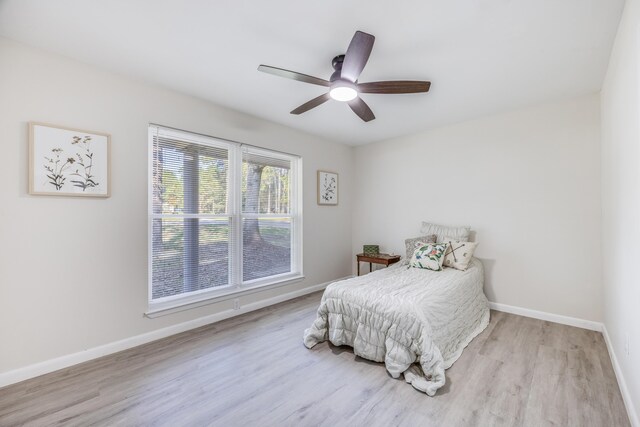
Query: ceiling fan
[(343, 84)]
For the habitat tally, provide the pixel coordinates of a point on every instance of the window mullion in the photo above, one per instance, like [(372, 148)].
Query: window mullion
[(236, 195), (191, 225), (200, 216), (295, 210), (259, 215)]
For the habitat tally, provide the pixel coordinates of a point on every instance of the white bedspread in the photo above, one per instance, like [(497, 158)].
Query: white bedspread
[(402, 315)]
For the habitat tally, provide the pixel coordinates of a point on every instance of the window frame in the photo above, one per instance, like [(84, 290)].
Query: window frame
[(236, 286)]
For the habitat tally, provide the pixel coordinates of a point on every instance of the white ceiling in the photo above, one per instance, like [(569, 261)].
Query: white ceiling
[(482, 56)]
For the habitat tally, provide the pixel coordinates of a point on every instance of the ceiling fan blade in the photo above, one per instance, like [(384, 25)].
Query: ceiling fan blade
[(400, 86), (311, 104), (293, 75), (357, 55), (361, 109)]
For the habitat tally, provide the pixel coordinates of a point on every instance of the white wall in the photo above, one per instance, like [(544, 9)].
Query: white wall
[(528, 183), (52, 304), (621, 200)]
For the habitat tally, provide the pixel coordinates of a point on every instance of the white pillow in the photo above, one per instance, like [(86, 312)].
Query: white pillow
[(442, 231), (429, 256), (458, 253)]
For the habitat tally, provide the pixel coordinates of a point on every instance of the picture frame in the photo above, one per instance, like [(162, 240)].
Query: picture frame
[(68, 162), (327, 188)]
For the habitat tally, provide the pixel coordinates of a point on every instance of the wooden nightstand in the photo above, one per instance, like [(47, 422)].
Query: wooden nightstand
[(384, 259)]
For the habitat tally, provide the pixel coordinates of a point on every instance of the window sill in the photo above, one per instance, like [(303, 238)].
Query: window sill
[(187, 302)]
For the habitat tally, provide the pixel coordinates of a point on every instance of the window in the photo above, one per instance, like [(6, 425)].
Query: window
[(224, 217)]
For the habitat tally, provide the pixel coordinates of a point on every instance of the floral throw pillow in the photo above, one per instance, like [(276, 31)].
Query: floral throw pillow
[(429, 256), (458, 253)]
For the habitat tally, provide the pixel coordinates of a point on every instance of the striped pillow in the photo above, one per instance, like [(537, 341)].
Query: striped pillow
[(442, 231)]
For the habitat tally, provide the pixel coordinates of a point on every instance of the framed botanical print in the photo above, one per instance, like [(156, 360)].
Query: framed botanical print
[(68, 162), (327, 188)]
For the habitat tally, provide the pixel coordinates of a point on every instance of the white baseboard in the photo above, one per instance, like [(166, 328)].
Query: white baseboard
[(631, 410), (542, 315), (37, 369)]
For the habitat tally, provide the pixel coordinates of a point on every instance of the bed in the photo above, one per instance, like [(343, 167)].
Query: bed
[(416, 321)]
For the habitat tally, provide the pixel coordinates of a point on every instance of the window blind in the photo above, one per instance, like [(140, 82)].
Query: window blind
[(192, 225), (266, 214)]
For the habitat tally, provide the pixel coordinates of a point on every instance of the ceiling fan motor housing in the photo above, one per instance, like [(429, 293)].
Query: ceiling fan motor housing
[(336, 63)]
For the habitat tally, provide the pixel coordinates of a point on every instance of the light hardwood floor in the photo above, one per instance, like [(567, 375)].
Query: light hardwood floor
[(254, 370)]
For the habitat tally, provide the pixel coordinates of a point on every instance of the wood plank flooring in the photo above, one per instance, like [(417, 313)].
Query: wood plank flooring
[(253, 370)]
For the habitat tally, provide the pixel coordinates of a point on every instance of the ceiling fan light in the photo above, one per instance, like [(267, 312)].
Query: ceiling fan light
[(343, 93)]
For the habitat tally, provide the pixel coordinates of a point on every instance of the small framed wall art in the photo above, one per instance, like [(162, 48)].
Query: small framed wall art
[(68, 162), (327, 188)]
